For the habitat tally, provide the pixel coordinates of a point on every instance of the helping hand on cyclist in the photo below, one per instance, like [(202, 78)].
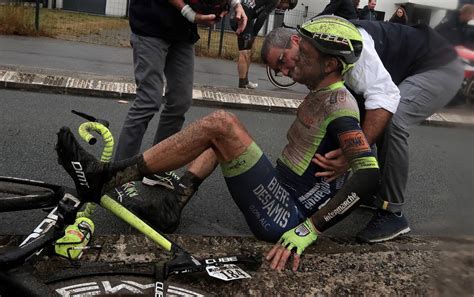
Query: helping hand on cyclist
[(334, 163), (298, 238)]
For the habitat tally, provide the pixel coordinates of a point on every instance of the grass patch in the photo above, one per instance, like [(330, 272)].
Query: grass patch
[(229, 49), (19, 20), (76, 26)]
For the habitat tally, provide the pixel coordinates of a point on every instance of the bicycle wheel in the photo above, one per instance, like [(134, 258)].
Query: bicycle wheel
[(119, 282), (22, 194), (279, 80)]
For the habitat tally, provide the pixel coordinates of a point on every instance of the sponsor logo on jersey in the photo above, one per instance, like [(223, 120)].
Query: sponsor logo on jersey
[(353, 142), (319, 192), (343, 207), (275, 202)]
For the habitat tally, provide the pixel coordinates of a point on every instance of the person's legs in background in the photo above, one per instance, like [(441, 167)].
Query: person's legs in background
[(243, 65), (244, 42), (179, 73), (421, 95), (149, 58)]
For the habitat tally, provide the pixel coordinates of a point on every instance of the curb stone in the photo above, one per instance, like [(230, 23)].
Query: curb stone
[(202, 95)]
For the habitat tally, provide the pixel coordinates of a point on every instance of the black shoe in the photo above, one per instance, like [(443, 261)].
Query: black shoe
[(168, 180), (84, 169), (383, 226)]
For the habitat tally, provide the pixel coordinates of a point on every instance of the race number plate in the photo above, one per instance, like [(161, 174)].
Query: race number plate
[(227, 272)]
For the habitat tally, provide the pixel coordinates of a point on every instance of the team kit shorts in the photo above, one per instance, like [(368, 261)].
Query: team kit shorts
[(267, 203)]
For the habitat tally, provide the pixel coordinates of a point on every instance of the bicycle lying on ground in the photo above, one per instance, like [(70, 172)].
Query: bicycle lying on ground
[(63, 206)]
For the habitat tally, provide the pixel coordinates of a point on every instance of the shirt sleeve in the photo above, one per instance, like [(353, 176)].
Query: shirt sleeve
[(370, 78)]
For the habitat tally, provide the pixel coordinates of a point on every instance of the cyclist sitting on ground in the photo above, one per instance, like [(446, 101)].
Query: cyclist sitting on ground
[(287, 204)]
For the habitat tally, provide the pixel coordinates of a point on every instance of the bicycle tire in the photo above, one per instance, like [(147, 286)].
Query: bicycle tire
[(279, 81), (21, 194), (116, 280)]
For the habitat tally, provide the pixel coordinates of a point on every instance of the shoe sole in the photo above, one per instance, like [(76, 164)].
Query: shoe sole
[(152, 182), (404, 231)]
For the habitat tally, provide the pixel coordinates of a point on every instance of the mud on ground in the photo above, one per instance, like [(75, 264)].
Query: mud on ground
[(425, 266)]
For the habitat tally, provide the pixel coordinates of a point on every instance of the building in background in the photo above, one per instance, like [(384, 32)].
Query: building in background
[(102, 7), (428, 12), (419, 11)]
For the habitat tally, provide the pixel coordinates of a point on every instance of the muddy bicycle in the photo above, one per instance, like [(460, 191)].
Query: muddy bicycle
[(64, 208)]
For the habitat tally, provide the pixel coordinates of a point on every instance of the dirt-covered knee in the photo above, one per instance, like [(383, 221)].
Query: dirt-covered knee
[(222, 121)]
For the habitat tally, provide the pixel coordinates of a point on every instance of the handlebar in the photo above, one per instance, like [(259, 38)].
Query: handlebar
[(91, 118), (85, 130), (67, 206)]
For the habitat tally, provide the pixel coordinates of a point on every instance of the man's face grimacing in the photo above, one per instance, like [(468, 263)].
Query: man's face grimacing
[(312, 67)]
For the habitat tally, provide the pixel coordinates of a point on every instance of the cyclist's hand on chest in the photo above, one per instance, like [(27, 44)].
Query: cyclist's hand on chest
[(298, 238), (334, 164)]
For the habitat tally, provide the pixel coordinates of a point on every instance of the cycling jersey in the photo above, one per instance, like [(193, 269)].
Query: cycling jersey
[(276, 199)]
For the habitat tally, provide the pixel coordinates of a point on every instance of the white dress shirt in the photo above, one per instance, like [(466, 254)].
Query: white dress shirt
[(369, 78)]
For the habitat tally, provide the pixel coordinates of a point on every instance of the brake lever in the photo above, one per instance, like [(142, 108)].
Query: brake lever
[(91, 118)]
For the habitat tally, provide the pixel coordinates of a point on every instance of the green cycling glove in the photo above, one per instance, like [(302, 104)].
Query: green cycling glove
[(299, 237)]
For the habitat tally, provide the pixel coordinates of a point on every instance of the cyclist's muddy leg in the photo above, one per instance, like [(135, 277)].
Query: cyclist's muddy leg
[(221, 131), (196, 173), (204, 165)]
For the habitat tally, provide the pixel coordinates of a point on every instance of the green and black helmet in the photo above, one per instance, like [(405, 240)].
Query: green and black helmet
[(334, 36)]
